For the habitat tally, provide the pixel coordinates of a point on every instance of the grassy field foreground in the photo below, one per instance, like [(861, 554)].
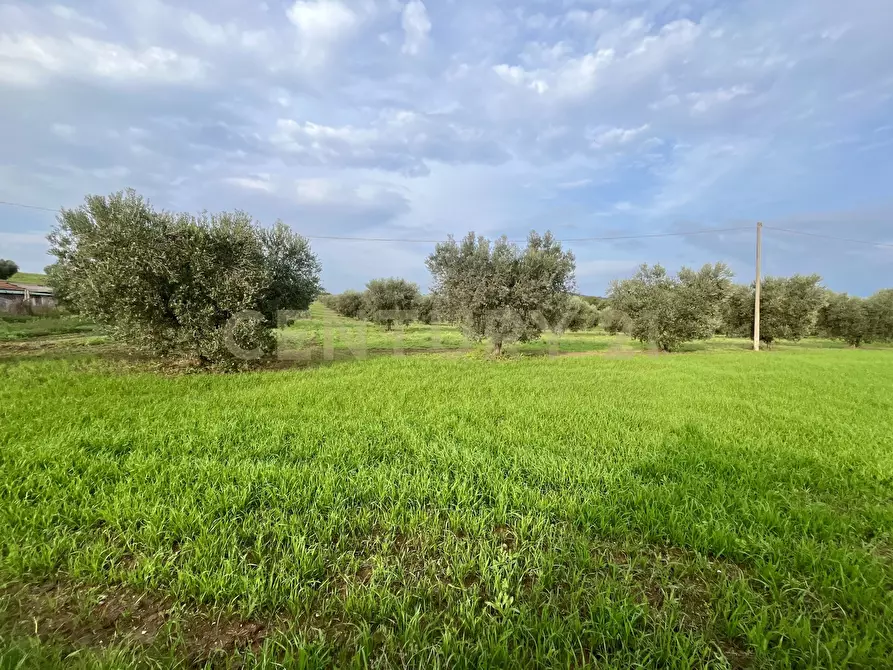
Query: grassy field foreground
[(727, 509)]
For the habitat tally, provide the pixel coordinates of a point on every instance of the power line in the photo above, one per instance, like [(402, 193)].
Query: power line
[(574, 239), (368, 239), (608, 238), (420, 241), (830, 237), (19, 204), (636, 237)]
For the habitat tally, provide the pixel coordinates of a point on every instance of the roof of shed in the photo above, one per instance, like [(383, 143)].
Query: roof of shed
[(34, 288), (6, 286)]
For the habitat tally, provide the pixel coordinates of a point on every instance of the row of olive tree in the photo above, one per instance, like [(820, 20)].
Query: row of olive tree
[(794, 307), (857, 320), (171, 283), (667, 310), (493, 290), (385, 301), (789, 308)]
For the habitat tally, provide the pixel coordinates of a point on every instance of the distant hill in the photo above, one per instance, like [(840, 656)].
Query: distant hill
[(28, 278)]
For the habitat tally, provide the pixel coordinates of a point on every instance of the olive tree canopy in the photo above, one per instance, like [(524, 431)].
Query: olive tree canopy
[(669, 310), (390, 300), (789, 308), (172, 283), (499, 291)]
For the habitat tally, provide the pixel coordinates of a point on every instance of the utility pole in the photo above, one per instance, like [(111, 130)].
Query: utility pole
[(756, 305)]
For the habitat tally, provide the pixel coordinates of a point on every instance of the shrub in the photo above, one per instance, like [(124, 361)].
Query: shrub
[(499, 291), (7, 268), (171, 283)]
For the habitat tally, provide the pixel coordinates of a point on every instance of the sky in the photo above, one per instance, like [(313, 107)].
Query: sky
[(415, 120)]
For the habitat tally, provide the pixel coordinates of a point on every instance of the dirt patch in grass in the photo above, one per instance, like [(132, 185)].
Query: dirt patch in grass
[(90, 617)]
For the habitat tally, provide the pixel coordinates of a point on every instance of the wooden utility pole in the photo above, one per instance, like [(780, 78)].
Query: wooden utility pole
[(756, 304)]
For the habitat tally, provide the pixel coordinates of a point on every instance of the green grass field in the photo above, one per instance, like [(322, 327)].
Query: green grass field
[(29, 278), (714, 508), (14, 328)]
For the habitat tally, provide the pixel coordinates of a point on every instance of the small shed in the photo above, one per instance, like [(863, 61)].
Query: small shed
[(15, 297)]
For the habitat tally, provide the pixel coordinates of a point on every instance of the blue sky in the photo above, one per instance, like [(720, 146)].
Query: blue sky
[(387, 118)]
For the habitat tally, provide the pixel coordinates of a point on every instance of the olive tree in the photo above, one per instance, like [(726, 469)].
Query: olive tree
[(614, 321), (329, 300), (845, 317), (737, 311), (669, 310), (390, 300), (578, 314), (789, 308), (426, 308), (207, 287), (350, 304), (499, 291), (879, 308)]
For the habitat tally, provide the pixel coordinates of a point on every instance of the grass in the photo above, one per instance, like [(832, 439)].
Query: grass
[(29, 278), (327, 336), (14, 328), (718, 508)]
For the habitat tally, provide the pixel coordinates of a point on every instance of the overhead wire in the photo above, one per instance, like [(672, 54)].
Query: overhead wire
[(828, 237), (605, 238), (433, 241)]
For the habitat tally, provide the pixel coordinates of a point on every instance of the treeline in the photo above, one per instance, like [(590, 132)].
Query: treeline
[(385, 301), (213, 287), (666, 310), (653, 306), (494, 290)]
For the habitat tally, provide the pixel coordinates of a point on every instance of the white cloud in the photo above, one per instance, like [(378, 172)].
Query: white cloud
[(416, 26), (63, 130), (317, 191), (571, 78), (620, 115), (704, 101), (347, 196), (258, 183), (396, 140), (569, 185), (586, 19), (206, 32), (26, 58), (613, 137), (321, 25), (72, 15)]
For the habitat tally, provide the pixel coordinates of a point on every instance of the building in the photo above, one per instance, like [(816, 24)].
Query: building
[(15, 297)]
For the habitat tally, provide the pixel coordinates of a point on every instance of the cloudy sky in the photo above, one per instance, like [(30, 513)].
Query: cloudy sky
[(413, 120)]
